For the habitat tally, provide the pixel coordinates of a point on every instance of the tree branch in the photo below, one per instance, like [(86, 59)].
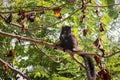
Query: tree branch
[(39, 42), (49, 56), (48, 44), (37, 10), (33, 29), (103, 6), (47, 8), (112, 54), (75, 58), (15, 70), (51, 45), (44, 43)]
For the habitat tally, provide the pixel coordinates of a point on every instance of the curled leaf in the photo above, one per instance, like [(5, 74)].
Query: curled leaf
[(82, 18), (85, 32), (11, 53), (98, 44), (103, 51), (97, 11), (57, 12), (5, 69), (9, 18), (22, 15), (31, 16), (42, 11), (97, 59), (90, 1), (104, 74), (101, 27)]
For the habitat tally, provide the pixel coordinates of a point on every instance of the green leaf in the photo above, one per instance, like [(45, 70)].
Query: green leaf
[(113, 13), (61, 78), (106, 19), (37, 74)]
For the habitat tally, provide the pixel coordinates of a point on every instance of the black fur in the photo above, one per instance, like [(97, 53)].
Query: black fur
[(70, 42), (67, 39)]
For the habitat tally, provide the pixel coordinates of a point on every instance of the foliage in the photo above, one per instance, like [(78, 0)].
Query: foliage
[(31, 58)]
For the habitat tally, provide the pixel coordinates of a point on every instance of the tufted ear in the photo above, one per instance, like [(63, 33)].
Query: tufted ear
[(68, 28)]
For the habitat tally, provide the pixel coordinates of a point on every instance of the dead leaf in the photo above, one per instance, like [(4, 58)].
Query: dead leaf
[(97, 11), (5, 69), (57, 12), (11, 53), (85, 32), (5, 66), (98, 44), (83, 16), (22, 15), (9, 18), (31, 16), (42, 11), (104, 74), (101, 27), (97, 59)]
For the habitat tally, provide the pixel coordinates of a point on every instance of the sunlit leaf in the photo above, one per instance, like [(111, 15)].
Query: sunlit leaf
[(106, 19), (37, 74)]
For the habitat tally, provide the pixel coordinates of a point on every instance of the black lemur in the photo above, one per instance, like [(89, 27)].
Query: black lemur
[(70, 42)]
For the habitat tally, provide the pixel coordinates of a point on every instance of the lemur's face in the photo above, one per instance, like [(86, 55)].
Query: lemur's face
[(66, 30)]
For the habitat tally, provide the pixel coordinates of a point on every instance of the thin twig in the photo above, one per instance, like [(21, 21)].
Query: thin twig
[(15, 70), (37, 10), (76, 59), (112, 54), (47, 8), (102, 6), (49, 56), (33, 29)]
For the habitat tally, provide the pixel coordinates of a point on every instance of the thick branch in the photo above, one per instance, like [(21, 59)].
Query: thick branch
[(15, 70), (39, 42), (47, 44), (44, 43), (24, 38)]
